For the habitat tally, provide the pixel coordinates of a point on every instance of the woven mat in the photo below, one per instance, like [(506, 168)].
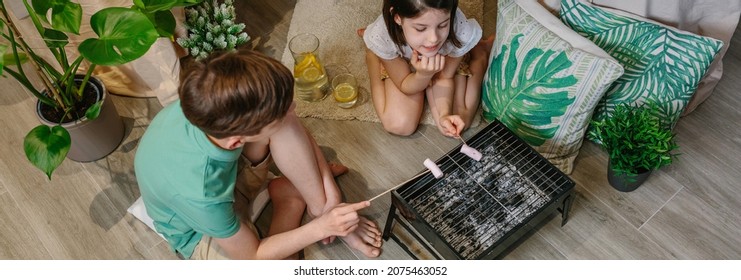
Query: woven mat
[(335, 23)]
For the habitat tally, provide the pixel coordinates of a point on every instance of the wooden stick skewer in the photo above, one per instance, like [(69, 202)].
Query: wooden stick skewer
[(461, 138), (399, 185)]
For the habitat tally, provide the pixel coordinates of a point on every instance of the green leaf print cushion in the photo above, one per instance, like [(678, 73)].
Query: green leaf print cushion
[(662, 63), (544, 80)]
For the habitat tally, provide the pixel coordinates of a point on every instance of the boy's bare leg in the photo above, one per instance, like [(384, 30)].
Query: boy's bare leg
[(256, 152), (293, 152), (288, 207), (314, 179), (328, 172)]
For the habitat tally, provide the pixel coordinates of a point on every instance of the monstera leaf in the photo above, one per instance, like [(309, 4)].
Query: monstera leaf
[(527, 96), (124, 35), (66, 15)]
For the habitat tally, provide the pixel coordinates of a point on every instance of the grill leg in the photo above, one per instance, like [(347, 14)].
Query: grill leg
[(565, 208), (389, 223), (388, 233)]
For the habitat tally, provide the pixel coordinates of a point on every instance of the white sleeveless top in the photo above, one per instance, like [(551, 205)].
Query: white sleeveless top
[(378, 40)]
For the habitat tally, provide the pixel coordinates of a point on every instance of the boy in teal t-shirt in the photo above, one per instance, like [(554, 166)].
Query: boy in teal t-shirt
[(236, 105)]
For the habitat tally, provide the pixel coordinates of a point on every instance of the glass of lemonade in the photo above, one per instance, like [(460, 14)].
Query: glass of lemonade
[(311, 82), (345, 90)]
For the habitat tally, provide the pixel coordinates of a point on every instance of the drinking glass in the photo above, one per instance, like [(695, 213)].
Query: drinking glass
[(345, 90)]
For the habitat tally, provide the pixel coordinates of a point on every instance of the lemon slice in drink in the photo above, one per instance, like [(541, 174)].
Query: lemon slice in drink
[(311, 74), (308, 68), (344, 93)]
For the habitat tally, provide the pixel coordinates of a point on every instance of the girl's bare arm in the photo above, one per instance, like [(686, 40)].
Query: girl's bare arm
[(409, 82)]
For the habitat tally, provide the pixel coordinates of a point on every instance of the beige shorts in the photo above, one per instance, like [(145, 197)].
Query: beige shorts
[(463, 68), (251, 180), (208, 249)]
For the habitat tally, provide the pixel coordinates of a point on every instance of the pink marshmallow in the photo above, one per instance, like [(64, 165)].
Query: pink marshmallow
[(433, 168), (471, 152)]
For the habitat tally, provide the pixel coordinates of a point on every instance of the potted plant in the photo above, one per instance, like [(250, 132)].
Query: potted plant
[(637, 143), (72, 104), (212, 27)]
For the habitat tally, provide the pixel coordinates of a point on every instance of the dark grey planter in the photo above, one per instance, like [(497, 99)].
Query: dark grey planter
[(626, 183), (93, 139)]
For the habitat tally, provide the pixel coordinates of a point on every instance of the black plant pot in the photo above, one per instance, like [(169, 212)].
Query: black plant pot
[(626, 183)]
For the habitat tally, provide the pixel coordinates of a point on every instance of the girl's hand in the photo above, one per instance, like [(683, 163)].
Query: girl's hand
[(451, 125), (427, 66), (342, 219)]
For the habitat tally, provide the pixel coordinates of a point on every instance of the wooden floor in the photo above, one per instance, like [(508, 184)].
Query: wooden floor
[(688, 210)]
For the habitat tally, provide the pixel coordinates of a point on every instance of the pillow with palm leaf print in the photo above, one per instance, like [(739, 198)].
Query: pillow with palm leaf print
[(544, 80), (662, 64)]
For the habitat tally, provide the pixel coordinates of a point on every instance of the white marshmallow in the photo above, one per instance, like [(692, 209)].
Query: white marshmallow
[(433, 168), (471, 152)]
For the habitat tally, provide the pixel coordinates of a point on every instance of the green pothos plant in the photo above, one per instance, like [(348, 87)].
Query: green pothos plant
[(122, 35), (513, 96)]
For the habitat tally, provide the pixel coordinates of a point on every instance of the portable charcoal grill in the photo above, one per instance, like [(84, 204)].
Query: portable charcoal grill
[(480, 208)]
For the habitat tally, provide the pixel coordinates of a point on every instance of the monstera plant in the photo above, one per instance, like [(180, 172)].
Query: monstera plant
[(123, 35)]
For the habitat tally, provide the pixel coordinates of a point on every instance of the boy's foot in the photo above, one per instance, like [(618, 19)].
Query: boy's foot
[(366, 238), (337, 169), (361, 31)]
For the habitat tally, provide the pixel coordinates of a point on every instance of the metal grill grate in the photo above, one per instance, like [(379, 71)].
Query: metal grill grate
[(475, 208)]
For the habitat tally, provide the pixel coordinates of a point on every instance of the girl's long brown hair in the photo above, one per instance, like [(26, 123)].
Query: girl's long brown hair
[(412, 9)]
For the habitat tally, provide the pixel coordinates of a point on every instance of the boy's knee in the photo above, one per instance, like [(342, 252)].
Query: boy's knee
[(282, 191)]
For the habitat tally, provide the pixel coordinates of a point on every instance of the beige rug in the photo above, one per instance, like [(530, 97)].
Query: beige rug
[(335, 23)]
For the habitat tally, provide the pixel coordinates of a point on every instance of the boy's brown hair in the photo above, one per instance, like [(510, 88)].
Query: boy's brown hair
[(236, 93)]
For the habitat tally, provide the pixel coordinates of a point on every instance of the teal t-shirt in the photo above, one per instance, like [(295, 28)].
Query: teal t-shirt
[(186, 181)]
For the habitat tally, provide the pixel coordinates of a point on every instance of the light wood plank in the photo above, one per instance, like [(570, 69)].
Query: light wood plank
[(535, 247), (17, 239), (116, 171), (590, 171), (692, 227), (594, 231), (66, 213)]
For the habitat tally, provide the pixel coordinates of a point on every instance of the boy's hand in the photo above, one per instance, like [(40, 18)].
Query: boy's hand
[(427, 66), (342, 219), (332, 202), (451, 125)]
